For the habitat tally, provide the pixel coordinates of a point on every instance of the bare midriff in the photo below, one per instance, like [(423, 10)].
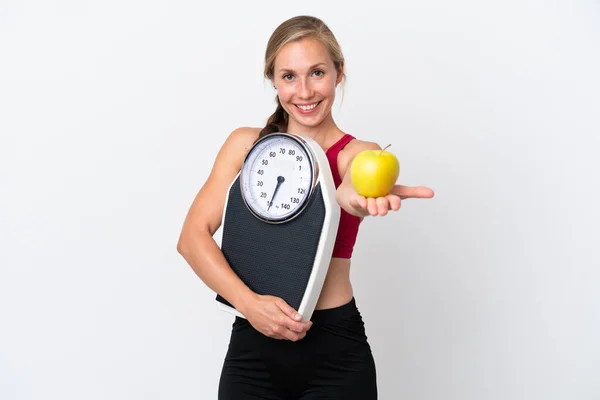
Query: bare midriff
[(337, 289)]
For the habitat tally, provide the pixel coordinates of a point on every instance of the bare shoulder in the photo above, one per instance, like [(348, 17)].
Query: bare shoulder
[(354, 147), (235, 147), (240, 140), (206, 210)]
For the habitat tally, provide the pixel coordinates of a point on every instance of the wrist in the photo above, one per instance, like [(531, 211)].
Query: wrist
[(245, 301), (342, 196)]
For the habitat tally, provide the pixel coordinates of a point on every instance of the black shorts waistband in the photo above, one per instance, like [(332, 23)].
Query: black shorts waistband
[(324, 316), (331, 314)]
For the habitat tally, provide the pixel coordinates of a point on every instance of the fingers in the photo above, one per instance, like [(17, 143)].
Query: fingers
[(358, 202), (286, 334), (372, 206), (407, 192), (291, 319), (286, 322), (382, 205), (361, 206), (288, 310), (281, 330), (394, 202), (273, 317)]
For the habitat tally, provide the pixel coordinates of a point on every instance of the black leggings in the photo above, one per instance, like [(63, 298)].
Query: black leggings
[(333, 361)]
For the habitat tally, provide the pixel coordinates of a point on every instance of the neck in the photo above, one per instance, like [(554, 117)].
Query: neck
[(319, 133)]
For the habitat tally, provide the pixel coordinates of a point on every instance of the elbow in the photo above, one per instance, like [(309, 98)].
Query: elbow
[(188, 239), (183, 243)]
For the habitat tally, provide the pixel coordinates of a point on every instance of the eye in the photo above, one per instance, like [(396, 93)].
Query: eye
[(318, 72), (287, 77)]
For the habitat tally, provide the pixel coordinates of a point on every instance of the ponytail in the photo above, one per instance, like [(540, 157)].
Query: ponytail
[(277, 122)]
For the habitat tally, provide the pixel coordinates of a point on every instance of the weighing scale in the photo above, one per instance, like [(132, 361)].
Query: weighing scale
[(280, 221)]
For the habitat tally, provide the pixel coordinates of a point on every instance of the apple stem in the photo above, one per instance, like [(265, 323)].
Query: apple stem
[(382, 150)]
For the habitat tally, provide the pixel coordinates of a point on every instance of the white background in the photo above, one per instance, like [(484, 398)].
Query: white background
[(111, 114)]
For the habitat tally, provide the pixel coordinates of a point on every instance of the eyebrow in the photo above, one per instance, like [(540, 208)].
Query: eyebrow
[(312, 67)]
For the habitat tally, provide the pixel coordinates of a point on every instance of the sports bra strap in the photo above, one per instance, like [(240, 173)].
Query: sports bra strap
[(332, 155)]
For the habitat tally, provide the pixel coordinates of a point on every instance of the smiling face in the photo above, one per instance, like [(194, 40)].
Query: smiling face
[(306, 78)]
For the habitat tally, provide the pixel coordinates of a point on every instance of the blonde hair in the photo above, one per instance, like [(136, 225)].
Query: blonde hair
[(293, 30)]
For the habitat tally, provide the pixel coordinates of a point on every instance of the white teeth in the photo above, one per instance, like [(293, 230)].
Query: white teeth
[(307, 108)]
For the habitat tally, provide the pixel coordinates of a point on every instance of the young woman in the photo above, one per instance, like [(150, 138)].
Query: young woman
[(272, 354)]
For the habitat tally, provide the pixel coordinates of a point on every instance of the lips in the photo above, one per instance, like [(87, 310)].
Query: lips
[(307, 108)]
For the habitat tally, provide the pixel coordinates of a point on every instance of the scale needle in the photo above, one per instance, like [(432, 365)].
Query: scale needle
[(280, 180)]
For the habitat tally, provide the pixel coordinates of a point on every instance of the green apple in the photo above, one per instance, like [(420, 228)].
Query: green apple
[(374, 172)]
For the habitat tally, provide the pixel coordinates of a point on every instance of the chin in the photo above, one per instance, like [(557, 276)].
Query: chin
[(309, 123)]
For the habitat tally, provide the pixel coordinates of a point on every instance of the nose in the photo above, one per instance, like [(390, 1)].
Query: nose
[(305, 89)]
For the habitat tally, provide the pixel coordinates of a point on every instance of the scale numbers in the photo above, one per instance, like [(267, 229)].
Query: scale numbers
[(277, 178)]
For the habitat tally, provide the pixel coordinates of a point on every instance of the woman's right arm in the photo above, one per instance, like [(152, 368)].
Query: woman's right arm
[(270, 315)]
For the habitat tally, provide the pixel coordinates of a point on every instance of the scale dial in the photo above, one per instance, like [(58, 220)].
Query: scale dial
[(278, 177)]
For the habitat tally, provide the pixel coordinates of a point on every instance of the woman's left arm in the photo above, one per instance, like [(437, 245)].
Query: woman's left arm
[(361, 206)]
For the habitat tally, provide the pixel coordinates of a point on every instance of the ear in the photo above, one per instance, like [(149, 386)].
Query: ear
[(340, 74)]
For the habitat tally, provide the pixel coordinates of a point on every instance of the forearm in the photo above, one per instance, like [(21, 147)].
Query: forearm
[(205, 258)]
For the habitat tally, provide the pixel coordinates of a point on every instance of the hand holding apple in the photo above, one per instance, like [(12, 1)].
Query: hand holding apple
[(373, 190)]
